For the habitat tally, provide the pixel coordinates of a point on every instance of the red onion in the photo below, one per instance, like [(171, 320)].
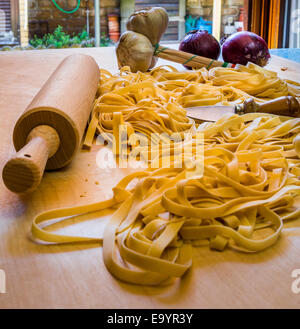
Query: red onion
[(243, 47), (201, 43)]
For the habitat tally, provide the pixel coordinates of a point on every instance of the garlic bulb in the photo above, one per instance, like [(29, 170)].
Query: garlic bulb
[(153, 62), (152, 23), (136, 51)]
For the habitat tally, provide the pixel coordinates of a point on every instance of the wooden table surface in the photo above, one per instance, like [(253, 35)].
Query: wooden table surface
[(74, 276)]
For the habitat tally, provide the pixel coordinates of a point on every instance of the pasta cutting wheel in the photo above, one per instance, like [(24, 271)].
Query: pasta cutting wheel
[(284, 106)]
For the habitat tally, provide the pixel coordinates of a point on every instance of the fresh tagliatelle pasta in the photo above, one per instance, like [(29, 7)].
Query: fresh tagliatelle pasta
[(249, 187), (154, 102)]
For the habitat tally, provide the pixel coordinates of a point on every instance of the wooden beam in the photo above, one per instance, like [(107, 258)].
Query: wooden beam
[(265, 16), (256, 16), (181, 21), (14, 10), (274, 24), (247, 14), (97, 23), (23, 14), (127, 7), (217, 11)]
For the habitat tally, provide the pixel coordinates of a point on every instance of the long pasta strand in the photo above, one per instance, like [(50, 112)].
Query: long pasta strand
[(249, 187), (155, 101)]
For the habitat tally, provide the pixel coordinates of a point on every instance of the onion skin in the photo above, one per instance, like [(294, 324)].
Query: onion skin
[(243, 47), (201, 43)]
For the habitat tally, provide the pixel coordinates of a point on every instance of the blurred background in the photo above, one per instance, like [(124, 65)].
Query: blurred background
[(40, 24)]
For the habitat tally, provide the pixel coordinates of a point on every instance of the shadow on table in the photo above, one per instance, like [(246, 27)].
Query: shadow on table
[(203, 259)]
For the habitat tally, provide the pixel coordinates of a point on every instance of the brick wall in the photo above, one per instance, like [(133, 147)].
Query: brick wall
[(45, 17)]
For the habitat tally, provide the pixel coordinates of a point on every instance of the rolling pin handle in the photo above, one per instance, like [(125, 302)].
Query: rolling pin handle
[(285, 105), (23, 172)]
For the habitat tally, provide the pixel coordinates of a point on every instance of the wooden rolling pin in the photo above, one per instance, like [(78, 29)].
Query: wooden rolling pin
[(49, 132)]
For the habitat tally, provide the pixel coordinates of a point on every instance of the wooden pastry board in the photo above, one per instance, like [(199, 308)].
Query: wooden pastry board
[(74, 276)]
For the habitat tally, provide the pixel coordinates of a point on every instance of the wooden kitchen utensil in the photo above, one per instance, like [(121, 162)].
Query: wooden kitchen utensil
[(49, 132), (283, 106)]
